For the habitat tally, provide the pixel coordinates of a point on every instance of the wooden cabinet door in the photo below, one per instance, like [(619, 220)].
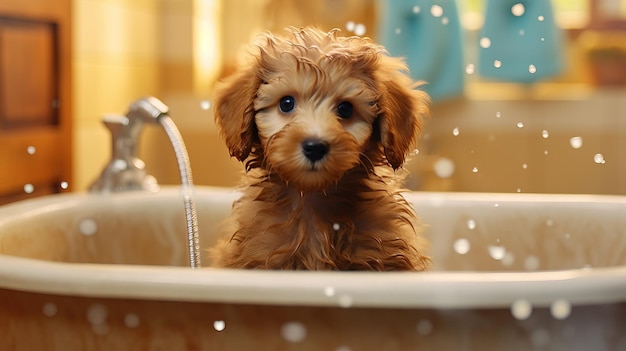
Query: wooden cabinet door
[(35, 120)]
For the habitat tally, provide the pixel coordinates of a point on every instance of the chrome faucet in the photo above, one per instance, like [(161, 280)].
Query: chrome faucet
[(127, 172)]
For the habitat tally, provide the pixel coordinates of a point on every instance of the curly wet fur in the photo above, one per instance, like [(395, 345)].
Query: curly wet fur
[(345, 211)]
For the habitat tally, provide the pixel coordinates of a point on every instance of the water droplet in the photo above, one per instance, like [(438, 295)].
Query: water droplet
[(545, 134), (531, 263), (521, 309), (49, 309), (336, 226), (520, 125), (560, 309), (599, 159), (398, 30), (424, 327), (532, 69), (443, 167), (497, 63), (540, 18), (416, 9), (576, 142), (470, 68), (462, 246), (205, 104), (484, 42), (455, 131), (475, 170), (87, 227), (131, 320), (329, 291), (293, 332), (219, 325), (360, 29), (471, 224), (496, 252), (29, 188), (518, 9), (524, 165), (350, 26), (436, 11), (31, 150)]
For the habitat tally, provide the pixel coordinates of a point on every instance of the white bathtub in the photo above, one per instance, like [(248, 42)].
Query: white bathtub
[(511, 272)]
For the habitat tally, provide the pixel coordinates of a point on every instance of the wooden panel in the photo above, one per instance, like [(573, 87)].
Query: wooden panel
[(35, 98), (28, 84)]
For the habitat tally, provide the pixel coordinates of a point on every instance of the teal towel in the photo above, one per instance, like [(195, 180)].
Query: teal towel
[(428, 34), (519, 41)]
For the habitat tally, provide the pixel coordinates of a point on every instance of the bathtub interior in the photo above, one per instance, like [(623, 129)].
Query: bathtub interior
[(467, 232)]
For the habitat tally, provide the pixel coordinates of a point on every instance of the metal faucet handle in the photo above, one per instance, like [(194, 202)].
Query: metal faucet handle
[(148, 109)]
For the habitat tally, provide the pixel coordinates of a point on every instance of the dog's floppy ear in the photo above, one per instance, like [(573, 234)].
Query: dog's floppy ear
[(234, 112), (402, 108)]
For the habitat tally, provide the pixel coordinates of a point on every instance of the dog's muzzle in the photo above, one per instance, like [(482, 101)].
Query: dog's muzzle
[(314, 149)]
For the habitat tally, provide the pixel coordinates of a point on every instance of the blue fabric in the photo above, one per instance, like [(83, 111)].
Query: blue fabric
[(520, 44), (429, 40)]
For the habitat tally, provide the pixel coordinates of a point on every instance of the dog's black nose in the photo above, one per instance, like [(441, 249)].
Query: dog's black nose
[(314, 149)]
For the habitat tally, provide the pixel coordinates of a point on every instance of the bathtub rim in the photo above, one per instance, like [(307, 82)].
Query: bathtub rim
[(347, 289)]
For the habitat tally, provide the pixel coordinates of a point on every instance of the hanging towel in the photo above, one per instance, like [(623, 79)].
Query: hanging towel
[(519, 41), (428, 34)]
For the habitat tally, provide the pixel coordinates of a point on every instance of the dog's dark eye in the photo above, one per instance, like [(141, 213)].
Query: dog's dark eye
[(287, 104), (345, 110)]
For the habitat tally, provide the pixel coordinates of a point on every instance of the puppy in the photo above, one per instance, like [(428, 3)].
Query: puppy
[(321, 123)]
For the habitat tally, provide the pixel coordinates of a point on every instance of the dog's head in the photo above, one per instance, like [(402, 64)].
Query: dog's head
[(313, 105)]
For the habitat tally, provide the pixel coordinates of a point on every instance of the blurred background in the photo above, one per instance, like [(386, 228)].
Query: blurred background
[(529, 96)]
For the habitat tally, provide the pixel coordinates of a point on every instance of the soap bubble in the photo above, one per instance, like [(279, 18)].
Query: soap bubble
[(336, 226), (436, 11), (540, 18), (560, 309), (485, 42), (416, 9), (471, 224), (576, 142), (97, 314), (29, 188), (424, 327), (520, 125), (360, 29), (498, 114), (445, 20), (497, 63), (444, 167), (350, 26), (345, 301), (205, 104), (518, 9), (219, 325), (462, 246), (31, 150), (131, 320), (524, 165), (293, 332), (49, 309), (532, 69), (545, 134), (455, 131), (521, 309), (496, 252), (470, 68), (87, 227), (599, 159), (531, 263), (64, 185), (540, 338), (329, 291), (398, 30), (475, 170)]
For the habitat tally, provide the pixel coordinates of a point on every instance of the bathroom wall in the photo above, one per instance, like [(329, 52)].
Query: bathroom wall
[(115, 60), (125, 50)]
